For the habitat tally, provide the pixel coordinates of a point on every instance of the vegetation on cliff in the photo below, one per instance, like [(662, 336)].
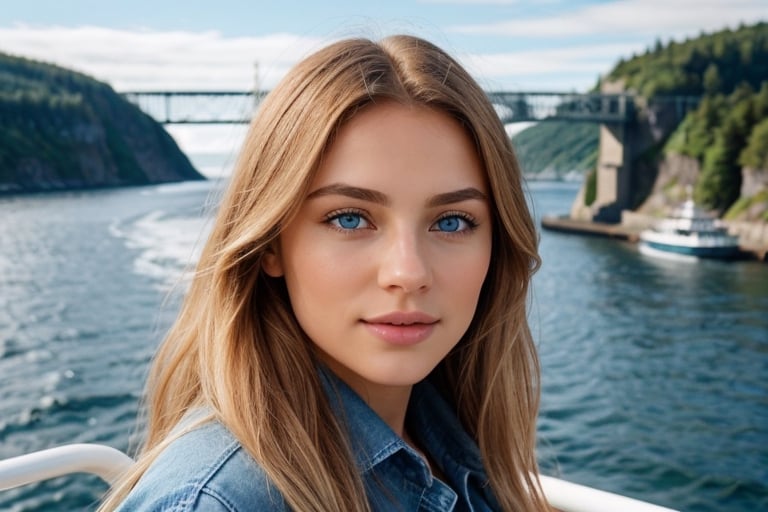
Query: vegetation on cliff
[(727, 133), (710, 64), (729, 71), (60, 129)]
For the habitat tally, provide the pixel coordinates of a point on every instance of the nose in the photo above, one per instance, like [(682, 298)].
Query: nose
[(404, 264)]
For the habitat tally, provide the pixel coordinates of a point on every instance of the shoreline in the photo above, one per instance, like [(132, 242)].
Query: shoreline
[(565, 224)]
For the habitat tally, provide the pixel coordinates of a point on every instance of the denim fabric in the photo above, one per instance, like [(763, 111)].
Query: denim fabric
[(207, 469)]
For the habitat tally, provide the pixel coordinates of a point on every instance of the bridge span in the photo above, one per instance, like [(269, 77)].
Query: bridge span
[(237, 107)]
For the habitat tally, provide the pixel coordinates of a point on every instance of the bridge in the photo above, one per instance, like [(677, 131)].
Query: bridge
[(624, 135), (237, 107)]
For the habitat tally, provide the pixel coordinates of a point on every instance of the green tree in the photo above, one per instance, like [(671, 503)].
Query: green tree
[(697, 131), (755, 154), (760, 102), (712, 82), (720, 181), (679, 68)]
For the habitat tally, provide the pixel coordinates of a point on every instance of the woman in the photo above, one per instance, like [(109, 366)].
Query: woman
[(355, 335)]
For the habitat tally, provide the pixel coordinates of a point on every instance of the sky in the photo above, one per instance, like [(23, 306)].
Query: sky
[(513, 45)]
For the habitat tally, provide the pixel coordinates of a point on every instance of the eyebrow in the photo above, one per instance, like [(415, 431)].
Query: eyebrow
[(457, 196), (374, 196), (340, 189)]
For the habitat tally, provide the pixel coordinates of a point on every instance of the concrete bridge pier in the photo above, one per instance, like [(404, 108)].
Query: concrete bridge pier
[(623, 177), (614, 171), (614, 192)]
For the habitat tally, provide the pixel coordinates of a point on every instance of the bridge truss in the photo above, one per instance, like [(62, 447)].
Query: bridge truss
[(237, 107)]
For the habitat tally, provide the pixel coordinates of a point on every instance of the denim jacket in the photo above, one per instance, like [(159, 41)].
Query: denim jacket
[(206, 469)]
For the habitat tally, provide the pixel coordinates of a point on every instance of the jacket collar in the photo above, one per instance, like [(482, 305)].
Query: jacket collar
[(430, 419)]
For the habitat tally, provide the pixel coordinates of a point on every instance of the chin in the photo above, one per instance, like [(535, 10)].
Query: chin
[(399, 375)]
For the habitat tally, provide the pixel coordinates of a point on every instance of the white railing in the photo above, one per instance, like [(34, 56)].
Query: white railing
[(103, 461), (570, 497), (109, 463)]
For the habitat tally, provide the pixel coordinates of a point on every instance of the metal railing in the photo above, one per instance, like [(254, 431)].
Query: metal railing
[(104, 461)]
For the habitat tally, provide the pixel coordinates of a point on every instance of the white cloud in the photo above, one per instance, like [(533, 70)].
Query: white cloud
[(650, 18), (592, 58), (142, 59), (565, 69), (178, 60)]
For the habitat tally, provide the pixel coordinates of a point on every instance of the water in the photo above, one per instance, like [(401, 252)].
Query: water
[(654, 372)]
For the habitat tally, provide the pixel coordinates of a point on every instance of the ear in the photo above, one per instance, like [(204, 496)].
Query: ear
[(271, 262)]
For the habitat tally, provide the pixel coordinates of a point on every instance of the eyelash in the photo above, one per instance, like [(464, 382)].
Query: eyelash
[(336, 214)]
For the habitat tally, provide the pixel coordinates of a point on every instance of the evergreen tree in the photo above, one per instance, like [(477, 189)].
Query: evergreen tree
[(720, 181), (712, 82), (755, 155)]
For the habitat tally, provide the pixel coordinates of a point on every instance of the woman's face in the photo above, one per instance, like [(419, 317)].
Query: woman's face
[(386, 258)]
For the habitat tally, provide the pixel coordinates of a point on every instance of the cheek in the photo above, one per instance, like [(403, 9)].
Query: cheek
[(468, 282), (465, 271), (322, 279)]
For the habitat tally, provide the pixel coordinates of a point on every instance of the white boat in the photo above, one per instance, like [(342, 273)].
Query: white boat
[(691, 232), (109, 463)]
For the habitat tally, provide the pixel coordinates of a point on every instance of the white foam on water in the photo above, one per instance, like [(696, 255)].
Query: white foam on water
[(181, 187), (168, 246)]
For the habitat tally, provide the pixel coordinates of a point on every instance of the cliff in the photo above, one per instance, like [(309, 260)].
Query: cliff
[(719, 150), (60, 129)]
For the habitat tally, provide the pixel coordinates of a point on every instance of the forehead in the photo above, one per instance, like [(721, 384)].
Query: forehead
[(389, 143)]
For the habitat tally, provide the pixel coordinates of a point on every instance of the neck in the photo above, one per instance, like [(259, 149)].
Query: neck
[(391, 405), (389, 402)]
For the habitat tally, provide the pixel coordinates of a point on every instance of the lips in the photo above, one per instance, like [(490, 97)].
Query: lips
[(401, 328)]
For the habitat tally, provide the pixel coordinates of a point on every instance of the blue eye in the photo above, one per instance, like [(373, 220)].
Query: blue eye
[(449, 223), (348, 221), (453, 224)]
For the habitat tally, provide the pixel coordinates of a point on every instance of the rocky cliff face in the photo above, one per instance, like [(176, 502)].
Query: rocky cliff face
[(753, 181), (676, 177), (62, 130)]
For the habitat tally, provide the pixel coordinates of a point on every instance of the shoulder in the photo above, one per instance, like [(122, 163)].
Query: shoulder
[(205, 469)]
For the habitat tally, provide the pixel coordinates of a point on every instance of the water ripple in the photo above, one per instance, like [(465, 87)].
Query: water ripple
[(653, 372)]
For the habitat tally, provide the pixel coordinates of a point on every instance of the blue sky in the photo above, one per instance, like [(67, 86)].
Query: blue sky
[(507, 44), (516, 45)]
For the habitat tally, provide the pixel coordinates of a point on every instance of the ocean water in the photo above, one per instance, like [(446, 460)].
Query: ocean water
[(654, 371)]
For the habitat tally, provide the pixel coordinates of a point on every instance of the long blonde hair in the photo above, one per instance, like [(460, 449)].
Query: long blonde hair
[(236, 347)]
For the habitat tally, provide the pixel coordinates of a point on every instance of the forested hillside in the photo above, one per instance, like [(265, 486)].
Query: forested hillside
[(710, 64), (727, 133), (726, 136), (60, 130)]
